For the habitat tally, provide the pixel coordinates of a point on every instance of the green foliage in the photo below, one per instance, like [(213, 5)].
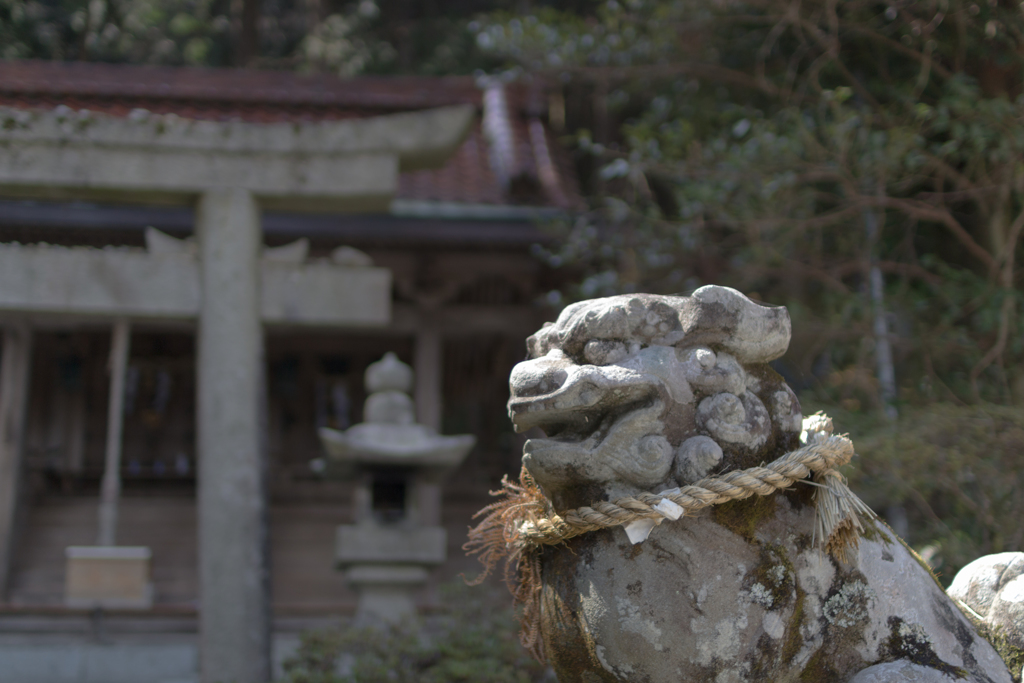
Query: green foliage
[(797, 149), (141, 31), (786, 147), (477, 642), (602, 34), (346, 37), (339, 43)]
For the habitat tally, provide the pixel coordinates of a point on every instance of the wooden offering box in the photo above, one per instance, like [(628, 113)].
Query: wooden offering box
[(108, 577)]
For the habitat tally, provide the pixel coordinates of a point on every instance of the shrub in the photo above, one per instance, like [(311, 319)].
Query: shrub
[(477, 641)]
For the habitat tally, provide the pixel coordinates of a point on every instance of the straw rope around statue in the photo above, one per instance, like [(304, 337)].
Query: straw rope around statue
[(514, 529)]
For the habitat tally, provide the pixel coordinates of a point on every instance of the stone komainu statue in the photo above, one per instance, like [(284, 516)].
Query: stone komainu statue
[(641, 394)]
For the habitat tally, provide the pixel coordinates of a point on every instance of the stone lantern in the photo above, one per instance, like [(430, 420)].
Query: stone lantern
[(398, 467)]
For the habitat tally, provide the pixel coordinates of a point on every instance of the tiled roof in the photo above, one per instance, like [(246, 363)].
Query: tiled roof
[(539, 175), (467, 177)]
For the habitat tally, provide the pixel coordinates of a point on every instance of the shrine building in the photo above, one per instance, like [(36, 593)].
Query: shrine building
[(196, 268)]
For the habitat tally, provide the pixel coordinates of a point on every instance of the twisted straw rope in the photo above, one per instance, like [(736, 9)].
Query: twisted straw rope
[(820, 459), (514, 529)]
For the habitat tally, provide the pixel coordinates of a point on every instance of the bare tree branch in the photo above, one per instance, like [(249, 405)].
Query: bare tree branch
[(714, 72), (928, 212), (899, 47), (1005, 311)]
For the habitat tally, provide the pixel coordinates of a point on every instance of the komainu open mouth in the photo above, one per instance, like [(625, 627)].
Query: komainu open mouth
[(579, 407)]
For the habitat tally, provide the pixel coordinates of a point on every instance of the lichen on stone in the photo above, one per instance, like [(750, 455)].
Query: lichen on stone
[(777, 574), (762, 596), (849, 605), (773, 579)]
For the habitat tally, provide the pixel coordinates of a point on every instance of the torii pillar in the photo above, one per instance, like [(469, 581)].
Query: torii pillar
[(233, 567), (229, 172)]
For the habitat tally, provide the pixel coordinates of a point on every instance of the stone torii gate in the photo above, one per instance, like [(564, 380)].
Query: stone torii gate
[(229, 171)]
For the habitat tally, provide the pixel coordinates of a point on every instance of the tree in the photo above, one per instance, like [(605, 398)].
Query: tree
[(341, 36), (792, 148), (139, 31), (861, 162)]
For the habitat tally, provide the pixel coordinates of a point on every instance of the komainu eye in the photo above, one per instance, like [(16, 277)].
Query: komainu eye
[(604, 351)]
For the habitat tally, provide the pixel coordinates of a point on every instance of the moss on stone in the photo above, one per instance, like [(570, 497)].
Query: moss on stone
[(910, 642), (794, 638), (1012, 654), (775, 574), (843, 621), (742, 517), (818, 670), (762, 664), (873, 533), (924, 565), (803, 542)]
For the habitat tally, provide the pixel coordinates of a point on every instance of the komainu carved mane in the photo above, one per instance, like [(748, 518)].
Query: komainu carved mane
[(638, 392)]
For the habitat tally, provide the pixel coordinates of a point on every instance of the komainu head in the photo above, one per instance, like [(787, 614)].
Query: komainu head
[(642, 392)]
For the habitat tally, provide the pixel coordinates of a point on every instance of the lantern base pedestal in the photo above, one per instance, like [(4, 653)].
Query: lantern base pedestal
[(388, 566)]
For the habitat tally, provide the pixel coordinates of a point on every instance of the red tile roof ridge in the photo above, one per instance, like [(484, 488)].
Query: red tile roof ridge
[(516, 162)]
